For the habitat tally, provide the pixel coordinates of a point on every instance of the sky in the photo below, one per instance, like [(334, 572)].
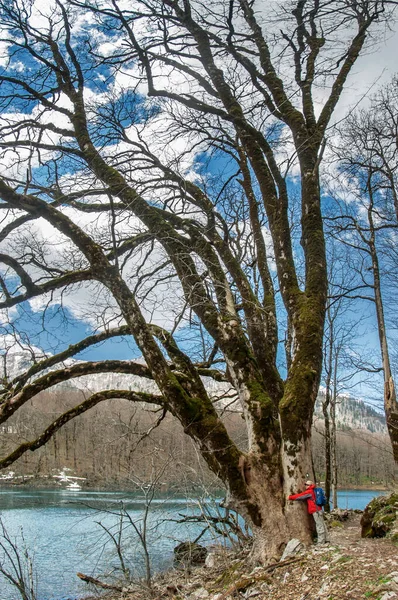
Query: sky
[(61, 328), (374, 68)]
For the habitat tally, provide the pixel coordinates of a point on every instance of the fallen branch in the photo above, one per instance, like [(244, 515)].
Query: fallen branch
[(101, 584)]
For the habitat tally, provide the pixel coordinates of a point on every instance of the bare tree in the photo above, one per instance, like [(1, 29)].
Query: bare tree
[(368, 155), (342, 371), (341, 374), (105, 111), (16, 565)]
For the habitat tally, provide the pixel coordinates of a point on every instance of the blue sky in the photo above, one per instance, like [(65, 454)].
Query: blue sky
[(57, 329)]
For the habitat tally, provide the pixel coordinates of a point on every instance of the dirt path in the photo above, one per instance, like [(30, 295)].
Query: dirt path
[(351, 567)]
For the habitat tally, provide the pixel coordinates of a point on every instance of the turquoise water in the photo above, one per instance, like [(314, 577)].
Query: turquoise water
[(356, 498), (62, 534), (61, 531)]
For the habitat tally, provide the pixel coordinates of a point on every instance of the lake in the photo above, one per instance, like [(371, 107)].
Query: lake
[(66, 532)]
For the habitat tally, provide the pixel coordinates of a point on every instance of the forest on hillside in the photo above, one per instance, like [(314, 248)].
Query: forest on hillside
[(122, 445)]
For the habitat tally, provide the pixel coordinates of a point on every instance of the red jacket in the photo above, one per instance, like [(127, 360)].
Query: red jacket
[(309, 496)]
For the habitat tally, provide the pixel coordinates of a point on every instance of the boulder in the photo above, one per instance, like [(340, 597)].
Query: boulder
[(293, 547), (189, 553), (337, 514), (380, 518)]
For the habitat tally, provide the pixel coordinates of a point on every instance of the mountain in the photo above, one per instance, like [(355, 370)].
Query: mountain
[(19, 362), (15, 363), (117, 441), (350, 412)]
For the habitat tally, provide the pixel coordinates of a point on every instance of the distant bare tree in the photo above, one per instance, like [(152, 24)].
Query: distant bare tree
[(368, 155)]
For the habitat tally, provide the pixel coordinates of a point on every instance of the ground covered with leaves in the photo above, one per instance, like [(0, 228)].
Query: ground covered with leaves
[(349, 568)]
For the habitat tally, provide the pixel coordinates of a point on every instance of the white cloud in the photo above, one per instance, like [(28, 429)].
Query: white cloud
[(374, 68), (4, 56)]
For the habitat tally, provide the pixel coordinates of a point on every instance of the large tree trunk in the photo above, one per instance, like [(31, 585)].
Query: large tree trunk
[(298, 467), (273, 519)]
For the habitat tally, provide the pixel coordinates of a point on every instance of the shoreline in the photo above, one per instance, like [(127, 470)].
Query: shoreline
[(378, 487), (350, 567), (46, 484), (163, 578)]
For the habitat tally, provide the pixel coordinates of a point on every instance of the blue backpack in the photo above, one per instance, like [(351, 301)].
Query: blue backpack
[(320, 498)]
